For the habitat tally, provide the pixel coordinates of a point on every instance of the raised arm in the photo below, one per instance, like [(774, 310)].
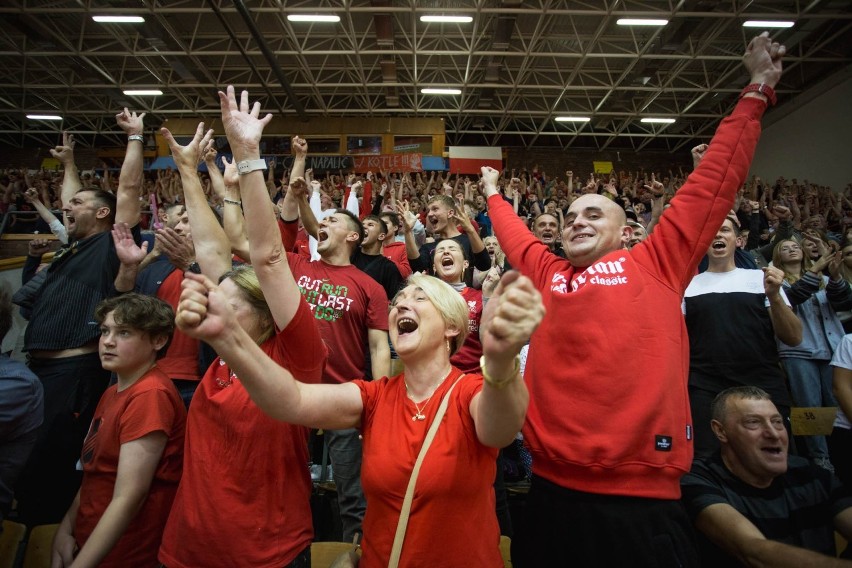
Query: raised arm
[(212, 249), (233, 220), (70, 177), (511, 315), (785, 322), (130, 178), (204, 313), (244, 129)]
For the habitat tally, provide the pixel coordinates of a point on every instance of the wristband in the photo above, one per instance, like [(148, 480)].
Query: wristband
[(763, 89), (248, 166), (499, 384), (233, 201), (136, 137)]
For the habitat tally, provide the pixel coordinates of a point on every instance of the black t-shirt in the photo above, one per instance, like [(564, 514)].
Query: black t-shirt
[(797, 509)]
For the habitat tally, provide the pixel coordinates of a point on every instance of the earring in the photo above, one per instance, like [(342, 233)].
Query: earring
[(448, 346)]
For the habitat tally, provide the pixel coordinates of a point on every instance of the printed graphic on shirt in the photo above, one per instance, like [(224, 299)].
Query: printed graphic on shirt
[(603, 273), (472, 320), (328, 301), (91, 440)]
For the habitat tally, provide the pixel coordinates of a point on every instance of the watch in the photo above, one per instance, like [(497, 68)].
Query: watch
[(248, 166), (763, 89)]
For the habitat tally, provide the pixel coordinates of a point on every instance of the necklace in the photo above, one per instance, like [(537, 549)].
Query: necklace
[(419, 414)]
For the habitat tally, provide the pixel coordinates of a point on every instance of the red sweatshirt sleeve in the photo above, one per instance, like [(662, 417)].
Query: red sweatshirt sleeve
[(686, 229)]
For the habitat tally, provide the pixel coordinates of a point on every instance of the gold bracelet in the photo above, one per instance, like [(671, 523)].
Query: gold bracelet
[(505, 382)]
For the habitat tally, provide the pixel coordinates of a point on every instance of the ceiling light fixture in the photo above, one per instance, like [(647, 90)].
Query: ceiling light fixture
[(572, 119), (657, 120), (44, 117), (768, 24), (143, 92), (312, 18), (640, 22), (431, 91), (118, 19), (447, 19)]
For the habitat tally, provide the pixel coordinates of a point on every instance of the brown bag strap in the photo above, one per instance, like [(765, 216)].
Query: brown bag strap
[(399, 537)]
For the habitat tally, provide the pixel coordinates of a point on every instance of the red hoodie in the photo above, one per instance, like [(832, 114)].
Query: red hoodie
[(609, 414)]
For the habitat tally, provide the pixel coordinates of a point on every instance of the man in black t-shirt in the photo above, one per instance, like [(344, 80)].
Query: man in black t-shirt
[(754, 505)]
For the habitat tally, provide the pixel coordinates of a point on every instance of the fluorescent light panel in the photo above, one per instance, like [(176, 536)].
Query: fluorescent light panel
[(143, 92), (768, 24), (447, 19), (44, 117), (640, 22), (658, 120), (312, 18), (118, 19), (572, 119), (429, 91)]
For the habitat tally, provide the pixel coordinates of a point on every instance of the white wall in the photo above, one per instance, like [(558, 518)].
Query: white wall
[(813, 142)]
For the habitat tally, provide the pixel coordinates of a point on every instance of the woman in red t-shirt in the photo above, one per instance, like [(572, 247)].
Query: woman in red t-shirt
[(244, 498), (428, 322)]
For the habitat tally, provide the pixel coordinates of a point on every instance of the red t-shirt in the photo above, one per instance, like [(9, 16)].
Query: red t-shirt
[(151, 404), (345, 303), (181, 360), (467, 358), (245, 495), (453, 519), (395, 251)]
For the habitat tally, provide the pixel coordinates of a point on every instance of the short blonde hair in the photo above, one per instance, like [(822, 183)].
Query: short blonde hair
[(246, 280), (449, 303)]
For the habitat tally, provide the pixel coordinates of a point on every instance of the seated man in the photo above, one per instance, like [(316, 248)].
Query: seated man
[(754, 505)]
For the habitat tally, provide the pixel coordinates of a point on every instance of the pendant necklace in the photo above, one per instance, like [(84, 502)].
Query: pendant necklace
[(419, 414)]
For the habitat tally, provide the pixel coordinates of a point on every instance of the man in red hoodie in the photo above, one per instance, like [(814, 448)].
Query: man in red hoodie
[(609, 445)]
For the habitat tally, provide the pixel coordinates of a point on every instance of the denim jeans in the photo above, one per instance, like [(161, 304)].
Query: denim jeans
[(344, 450), (810, 385)]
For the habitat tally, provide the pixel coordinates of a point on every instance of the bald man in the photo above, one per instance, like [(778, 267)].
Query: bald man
[(608, 424)]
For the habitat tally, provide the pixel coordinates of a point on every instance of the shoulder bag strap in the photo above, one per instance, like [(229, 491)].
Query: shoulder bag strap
[(399, 537)]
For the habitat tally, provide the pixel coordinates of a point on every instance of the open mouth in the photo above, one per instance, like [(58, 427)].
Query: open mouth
[(718, 245), (773, 450), (405, 326), (447, 262), (322, 235), (581, 236)]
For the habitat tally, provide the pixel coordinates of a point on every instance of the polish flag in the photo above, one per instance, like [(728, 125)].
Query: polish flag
[(469, 159)]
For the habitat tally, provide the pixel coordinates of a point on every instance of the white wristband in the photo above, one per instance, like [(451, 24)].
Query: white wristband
[(248, 166), (136, 137)]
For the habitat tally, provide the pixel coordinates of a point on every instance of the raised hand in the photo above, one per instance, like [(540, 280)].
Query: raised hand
[(31, 196), (772, 279), (299, 187), (242, 124), (299, 146), (762, 59), (698, 154), (231, 176), (511, 315), (656, 187), (130, 122), (65, 152), (189, 155), (126, 249), (203, 310), (179, 249)]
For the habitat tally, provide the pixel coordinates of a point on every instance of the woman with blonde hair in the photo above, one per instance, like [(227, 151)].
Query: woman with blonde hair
[(244, 498), (816, 298), (427, 323)]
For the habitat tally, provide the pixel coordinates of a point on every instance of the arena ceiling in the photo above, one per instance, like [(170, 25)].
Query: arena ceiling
[(518, 64)]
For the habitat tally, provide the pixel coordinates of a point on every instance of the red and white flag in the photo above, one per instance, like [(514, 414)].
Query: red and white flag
[(469, 159)]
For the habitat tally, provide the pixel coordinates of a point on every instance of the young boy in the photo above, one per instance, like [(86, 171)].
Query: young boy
[(133, 455)]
